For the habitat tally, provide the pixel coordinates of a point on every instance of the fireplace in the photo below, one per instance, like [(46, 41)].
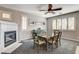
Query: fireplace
[(9, 37)]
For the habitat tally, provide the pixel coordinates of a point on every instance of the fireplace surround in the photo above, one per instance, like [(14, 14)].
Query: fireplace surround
[(8, 36)]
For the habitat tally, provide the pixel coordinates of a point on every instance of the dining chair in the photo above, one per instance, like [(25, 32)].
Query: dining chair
[(34, 34), (59, 39), (53, 40), (59, 33), (56, 37), (39, 41)]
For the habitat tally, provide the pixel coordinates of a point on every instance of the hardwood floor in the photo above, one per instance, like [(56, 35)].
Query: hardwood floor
[(67, 47)]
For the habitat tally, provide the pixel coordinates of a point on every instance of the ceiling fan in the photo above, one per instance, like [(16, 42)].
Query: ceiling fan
[(51, 9)]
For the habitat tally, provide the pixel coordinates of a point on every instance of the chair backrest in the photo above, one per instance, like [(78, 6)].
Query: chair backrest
[(56, 32), (56, 37), (34, 34), (59, 34), (35, 39)]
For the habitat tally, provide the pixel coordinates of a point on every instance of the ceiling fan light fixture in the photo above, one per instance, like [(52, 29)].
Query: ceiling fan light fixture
[(51, 10)]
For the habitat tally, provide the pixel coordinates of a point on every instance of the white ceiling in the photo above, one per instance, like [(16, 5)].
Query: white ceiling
[(34, 8)]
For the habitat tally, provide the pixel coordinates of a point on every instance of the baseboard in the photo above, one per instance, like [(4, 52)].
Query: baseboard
[(71, 39)]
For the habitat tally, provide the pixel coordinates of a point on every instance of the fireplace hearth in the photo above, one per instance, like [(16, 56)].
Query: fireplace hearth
[(9, 38)]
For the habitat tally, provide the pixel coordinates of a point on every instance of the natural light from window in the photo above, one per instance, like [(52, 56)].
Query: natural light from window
[(54, 24), (64, 23), (24, 23), (71, 23), (58, 23)]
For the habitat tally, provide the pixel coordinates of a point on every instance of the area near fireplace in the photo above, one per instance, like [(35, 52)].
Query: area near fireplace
[(8, 36)]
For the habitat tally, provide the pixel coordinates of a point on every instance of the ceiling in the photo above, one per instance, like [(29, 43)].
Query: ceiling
[(34, 8)]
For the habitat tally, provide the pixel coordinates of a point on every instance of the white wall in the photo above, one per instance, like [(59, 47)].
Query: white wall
[(71, 35), (26, 34), (16, 18)]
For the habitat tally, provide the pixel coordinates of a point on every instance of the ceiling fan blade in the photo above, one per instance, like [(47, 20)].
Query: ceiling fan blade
[(43, 10), (56, 9)]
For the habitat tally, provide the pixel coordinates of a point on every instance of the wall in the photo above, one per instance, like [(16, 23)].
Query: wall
[(30, 27), (16, 18), (72, 35)]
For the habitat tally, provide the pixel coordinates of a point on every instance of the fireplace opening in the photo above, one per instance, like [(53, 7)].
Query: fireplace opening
[(9, 38)]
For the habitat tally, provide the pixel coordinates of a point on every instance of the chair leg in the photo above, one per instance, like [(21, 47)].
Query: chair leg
[(52, 47), (47, 45), (37, 48), (34, 46), (56, 44), (60, 42)]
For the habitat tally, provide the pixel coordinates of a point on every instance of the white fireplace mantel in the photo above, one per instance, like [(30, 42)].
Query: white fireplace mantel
[(7, 26)]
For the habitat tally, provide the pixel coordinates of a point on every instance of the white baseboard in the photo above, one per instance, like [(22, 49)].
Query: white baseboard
[(70, 39)]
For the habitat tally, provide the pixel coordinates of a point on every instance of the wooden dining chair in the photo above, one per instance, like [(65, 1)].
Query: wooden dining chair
[(50, 42), (56, 37), (53, 40), (39, 41), (59, 38), (59, 33)]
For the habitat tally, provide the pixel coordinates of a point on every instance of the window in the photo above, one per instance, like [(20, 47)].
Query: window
[(64, 24), (54, 24), (71, 23), (6, 15), (58, 23), (24, 23)]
